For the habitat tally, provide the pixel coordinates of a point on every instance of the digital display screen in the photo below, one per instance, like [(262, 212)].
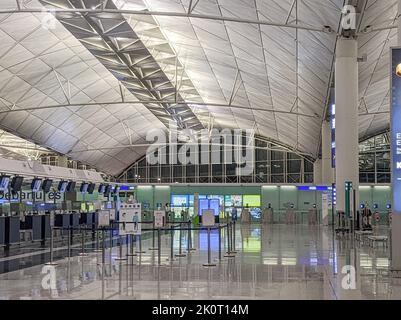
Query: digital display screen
[(256, 213), (214, 204), (107, 190), (395, 116), (71, 186), (4, 181), (46, 185), (16, 183), (218, 197), (91, 188), (251, 200), (203, 205), (179, 200), (83, 188), (35, 185), (62, 186), (233, 200), (102, 188)]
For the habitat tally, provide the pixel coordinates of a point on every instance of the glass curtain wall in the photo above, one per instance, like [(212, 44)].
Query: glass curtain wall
[(272, 164)]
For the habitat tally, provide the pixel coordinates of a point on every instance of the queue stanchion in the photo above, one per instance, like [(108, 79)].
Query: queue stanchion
[(209, 251), (120, 250), (140, 251), (153, 236), (51, 262), (97, 242), (69, 242), (189, 238), (83, 236), (159, 247), (111, 239), (233, 237), (131, 253), (219, 243), (172, 244), (180, 253), (228, 253), (103, 247), (127, 245), (71, 235)]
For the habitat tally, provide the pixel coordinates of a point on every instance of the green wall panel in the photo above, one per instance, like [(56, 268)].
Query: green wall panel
[(277, 196), (145, 194), (270, 194), (162, 195)]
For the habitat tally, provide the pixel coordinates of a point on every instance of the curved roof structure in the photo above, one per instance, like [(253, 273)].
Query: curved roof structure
[(89, 78)]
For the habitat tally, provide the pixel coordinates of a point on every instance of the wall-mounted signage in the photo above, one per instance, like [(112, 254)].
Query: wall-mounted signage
[(396, 128), (160, 218), (314, 188)]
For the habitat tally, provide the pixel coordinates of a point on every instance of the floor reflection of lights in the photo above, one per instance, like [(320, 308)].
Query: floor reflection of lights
[(272, 262)]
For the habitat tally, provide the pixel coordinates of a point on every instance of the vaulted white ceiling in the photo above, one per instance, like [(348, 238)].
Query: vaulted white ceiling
[(232, 74)]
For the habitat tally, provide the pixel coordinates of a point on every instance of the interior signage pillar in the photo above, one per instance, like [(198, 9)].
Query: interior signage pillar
[(396, 158)]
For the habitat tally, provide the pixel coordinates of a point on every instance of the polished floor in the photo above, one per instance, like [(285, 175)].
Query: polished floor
[(272, 262)]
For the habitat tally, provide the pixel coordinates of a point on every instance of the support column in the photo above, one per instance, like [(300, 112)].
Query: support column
[(396, 216), (346, 95), (317, 172), (327, 170)]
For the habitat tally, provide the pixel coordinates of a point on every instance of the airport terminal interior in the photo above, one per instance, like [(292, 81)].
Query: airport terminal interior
[(200, 149)]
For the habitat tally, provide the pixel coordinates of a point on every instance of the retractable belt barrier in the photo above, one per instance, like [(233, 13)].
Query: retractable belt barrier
[(130, 239)]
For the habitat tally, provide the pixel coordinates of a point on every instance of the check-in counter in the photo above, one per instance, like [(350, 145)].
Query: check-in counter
[(12, 229), (34, 223), (74, 220), (95, 219), (62, 221), (45, 221), (86, 218), (2, 230)]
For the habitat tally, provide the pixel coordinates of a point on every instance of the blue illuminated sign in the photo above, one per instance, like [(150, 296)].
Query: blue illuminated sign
[(333, 135), (396, 128), (313, 188)]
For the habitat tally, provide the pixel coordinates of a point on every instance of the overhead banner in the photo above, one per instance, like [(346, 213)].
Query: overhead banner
[(396, 128)]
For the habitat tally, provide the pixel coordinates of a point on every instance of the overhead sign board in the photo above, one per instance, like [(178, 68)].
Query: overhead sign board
[(396, 128)]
